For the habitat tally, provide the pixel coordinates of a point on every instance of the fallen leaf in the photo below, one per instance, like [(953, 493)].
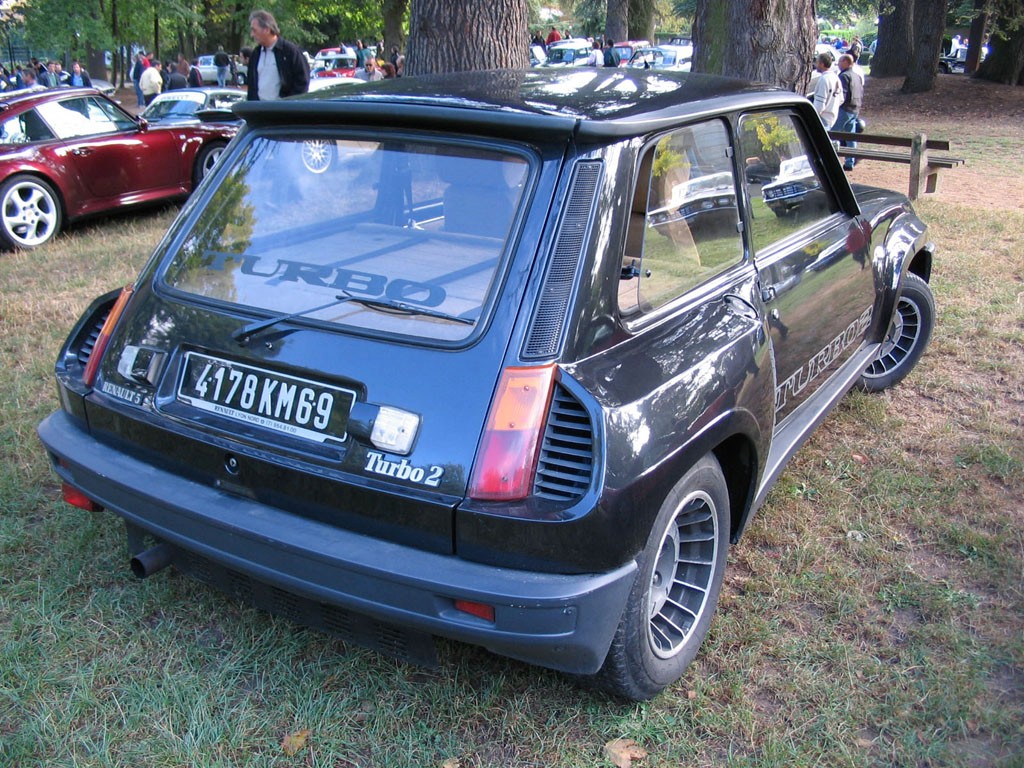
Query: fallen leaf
[(293, 742), (691, 695), (860, 458), (452, 762), (622, 752)]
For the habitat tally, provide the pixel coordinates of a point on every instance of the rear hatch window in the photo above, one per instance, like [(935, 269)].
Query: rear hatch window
[(383, 236)]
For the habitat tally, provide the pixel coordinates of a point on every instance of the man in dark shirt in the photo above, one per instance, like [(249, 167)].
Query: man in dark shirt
[(277, 67), (853, 95)]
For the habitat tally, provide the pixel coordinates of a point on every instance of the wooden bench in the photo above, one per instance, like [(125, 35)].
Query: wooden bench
[(924, 166)]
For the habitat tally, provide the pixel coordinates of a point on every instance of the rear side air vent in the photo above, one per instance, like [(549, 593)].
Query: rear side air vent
[(566, 463), (87, 340), (560, 280)]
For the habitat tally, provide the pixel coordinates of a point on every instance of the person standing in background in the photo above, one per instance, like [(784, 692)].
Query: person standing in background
[(277, 67), (828, 93), (222, 62), (852, 83), (137, 69), (79, 77), (151, 83)]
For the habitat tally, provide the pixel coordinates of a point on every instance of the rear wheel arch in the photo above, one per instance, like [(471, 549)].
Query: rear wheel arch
[(921, 263), (737, 457)]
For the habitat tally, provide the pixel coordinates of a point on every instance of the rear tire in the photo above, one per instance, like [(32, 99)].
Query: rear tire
[(676, 590), (30, 213), (205, 162), (909, 333)]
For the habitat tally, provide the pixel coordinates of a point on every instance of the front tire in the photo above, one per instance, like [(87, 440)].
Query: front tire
[(905, 341), (676, 590), (30, 213)]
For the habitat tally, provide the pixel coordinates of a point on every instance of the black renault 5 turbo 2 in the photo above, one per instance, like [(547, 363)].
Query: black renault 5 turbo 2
[(480, 356)]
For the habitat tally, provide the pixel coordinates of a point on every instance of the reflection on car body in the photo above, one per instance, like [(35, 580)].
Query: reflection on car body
[(714, 193), (795, 180)]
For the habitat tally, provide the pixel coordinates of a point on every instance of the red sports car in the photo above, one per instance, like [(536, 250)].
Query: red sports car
[(72, 152)]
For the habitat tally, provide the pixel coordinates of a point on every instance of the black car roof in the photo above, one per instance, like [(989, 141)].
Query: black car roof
[(593, 103)]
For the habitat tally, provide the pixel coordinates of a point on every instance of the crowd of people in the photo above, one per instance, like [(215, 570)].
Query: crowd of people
[(48, 74)]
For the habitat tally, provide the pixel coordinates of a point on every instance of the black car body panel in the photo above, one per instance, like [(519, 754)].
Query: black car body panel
[(459, 399)]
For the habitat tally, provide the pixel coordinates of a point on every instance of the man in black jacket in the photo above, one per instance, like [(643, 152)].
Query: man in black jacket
[(277, 67), (852, 82)]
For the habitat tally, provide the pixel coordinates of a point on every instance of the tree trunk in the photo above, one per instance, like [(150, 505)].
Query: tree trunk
[(894, 39), (616, 27), (768, 41), (461, 35), (394, 16), (978, 24), (930, 25), (641, 20), (710, 28), (1005, 62)]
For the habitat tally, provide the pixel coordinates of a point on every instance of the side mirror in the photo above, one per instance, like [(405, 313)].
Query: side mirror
[(143, 124)]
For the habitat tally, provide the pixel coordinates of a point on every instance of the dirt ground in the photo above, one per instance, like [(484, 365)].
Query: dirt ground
[(983, 121)]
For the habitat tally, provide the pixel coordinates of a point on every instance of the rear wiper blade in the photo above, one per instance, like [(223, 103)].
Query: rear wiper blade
[(408, 309), (244, 334)]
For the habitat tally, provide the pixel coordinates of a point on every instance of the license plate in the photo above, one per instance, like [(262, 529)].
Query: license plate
[(287, 404)]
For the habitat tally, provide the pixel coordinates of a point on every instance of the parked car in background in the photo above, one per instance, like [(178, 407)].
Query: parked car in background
[(72, 152), (662, 57), (323, 83), (104, 86), (334, 62), (573, 52), (956, 63), (627, 48), (208, 70), (458, 379), (188, 106)]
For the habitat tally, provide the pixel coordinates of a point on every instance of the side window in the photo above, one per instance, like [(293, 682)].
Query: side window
[(683, 227), (27, 126), (84, 117), (785, 189)]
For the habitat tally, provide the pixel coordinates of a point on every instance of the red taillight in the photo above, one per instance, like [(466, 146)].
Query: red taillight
[(480, 610), (508, 452), (76, 498), (104, 338)]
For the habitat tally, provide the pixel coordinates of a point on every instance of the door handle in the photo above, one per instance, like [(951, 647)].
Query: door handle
[(81, 151), (740, 306)]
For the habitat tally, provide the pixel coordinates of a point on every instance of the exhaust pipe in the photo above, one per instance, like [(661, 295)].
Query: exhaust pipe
[(152, 560)]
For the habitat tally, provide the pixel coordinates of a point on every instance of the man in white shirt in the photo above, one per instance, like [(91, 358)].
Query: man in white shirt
[(828, 92)]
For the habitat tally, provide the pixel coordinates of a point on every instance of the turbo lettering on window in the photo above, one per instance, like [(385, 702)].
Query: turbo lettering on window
[(348, 280)]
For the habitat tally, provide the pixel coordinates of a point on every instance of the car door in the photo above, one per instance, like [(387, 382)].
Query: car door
[(811, 256), (110, 154)]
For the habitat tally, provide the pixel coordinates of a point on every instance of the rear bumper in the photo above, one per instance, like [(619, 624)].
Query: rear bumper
[(564, 622)]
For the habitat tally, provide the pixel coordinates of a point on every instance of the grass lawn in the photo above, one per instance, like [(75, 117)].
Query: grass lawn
[(873, 614)]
